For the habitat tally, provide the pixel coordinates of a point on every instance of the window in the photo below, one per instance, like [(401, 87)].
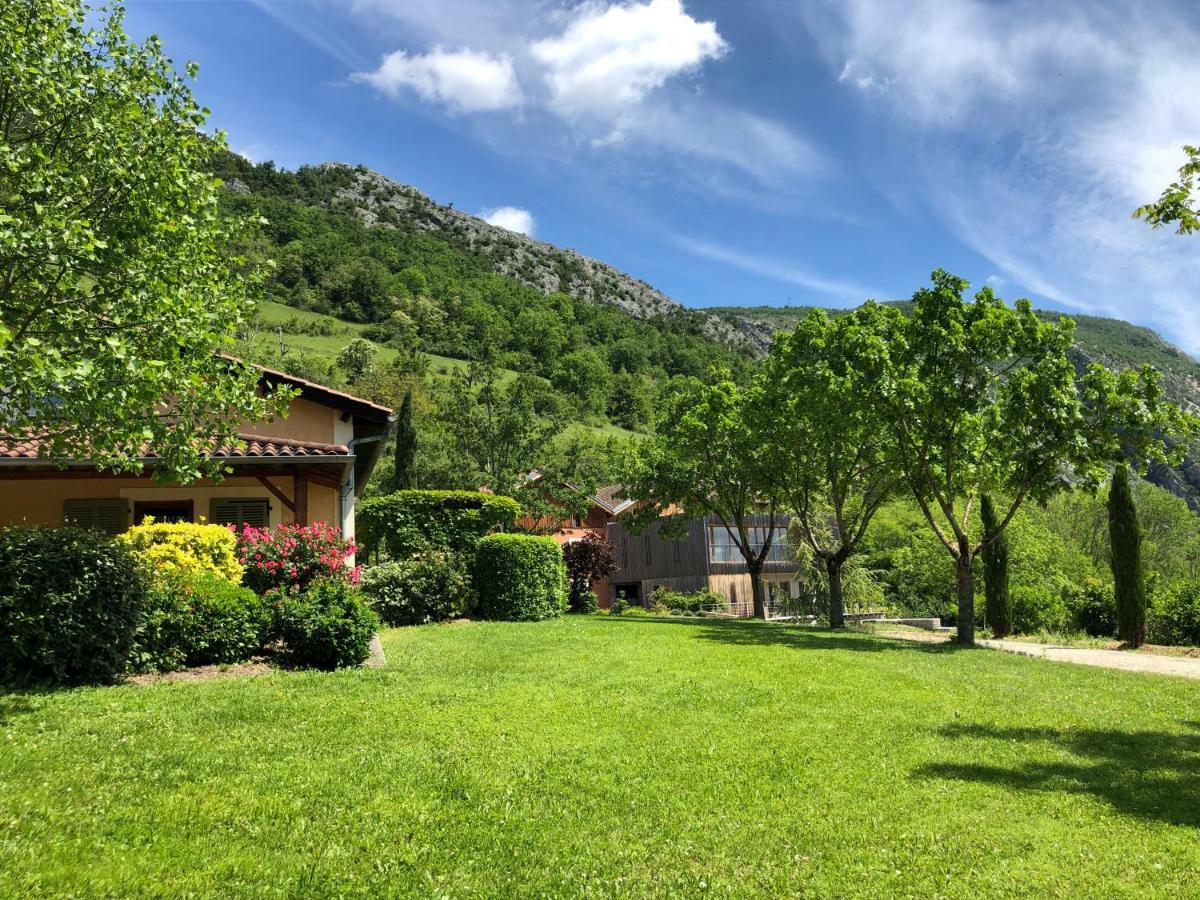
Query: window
[(163, 511), (723, 549), (240, 510), (109, 516)]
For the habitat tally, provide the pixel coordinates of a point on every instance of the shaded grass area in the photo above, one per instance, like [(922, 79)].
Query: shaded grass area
[(603, 756)]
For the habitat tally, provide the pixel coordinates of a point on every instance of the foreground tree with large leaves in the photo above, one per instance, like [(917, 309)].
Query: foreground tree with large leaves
[(831, 455), (120, 280), (1176, 205), (709, 458), (980, 398)]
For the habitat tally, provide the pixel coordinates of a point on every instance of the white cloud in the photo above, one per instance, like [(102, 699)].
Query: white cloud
[(1032, 130), (512, 218), (777, 270), (463, 80), (612, 57)]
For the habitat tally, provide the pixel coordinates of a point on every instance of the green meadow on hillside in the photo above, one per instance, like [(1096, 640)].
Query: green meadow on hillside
[(603, 756)]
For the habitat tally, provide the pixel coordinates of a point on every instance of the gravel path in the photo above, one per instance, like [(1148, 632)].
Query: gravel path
[(1129, 661)]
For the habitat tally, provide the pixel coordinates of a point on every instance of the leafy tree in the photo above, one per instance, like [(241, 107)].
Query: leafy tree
[(708, 459), (122, 279), (1129, 582), (569, 470), (356, 360), (1176, 205), (997, 612), (583, 374), (830, 453), (980, 398), (631, 401), (406, 447), (588, 560), (497, 433), (1132, 423)]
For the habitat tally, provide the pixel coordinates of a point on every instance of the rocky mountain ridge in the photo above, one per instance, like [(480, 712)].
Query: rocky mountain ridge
[(379, 200)]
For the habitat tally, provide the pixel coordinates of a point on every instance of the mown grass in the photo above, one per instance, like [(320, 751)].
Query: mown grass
[(277, 315), (614, 758)]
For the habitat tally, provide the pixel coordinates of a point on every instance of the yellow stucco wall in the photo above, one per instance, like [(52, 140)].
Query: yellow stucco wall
[(306, 421), (40, 501)]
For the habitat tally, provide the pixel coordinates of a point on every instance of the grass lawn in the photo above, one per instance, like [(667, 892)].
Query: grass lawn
[(612, 757)]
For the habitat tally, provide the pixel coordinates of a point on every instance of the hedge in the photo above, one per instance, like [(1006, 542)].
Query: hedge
[(409, 523), (70, 601), (325, 626), (520, 577), (434, 587), (198, 619), (1174, 617)]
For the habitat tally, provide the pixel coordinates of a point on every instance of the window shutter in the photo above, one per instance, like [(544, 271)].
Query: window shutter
[(109, 516), (254, 511)]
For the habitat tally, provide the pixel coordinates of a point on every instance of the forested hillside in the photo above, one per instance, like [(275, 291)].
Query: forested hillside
[(422, 290)]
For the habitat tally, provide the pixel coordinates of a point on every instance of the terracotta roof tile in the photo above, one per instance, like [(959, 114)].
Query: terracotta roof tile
[(257, 446)]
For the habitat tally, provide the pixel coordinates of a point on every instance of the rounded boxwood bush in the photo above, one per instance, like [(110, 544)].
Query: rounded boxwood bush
[(70, 601), (429, 588), (326, 626), (198, 619), (520, 577)]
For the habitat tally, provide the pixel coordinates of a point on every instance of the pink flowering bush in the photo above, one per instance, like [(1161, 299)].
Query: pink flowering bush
[(293, 556)]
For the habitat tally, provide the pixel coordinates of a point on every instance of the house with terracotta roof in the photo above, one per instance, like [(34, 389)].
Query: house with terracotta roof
[(308, 467)]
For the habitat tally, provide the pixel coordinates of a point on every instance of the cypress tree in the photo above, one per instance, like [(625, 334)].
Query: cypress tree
[(1125, 537), (995, 573), (404, 477)]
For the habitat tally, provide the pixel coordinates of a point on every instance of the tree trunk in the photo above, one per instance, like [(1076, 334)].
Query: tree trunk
[(966, 600), (837, 604), (1129, 584), (756, 591)]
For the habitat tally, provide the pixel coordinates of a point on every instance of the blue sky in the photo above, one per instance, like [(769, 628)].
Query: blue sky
[(749, 152)]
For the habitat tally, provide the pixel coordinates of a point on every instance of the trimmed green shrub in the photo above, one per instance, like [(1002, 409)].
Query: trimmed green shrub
[(408, 523), (692, 603), (520, 577), (70, 601), (1092, 608), (429, 588), (198, 619), (586, 603), (326, 626), (1174, 617), (168, 548)]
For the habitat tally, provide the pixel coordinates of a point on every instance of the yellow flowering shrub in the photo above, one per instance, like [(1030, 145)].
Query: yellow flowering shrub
[(171, 547)]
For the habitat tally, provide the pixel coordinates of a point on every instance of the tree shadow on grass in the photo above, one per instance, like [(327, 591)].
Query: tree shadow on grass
[(753, 632), (1152, 775), (13, 705)]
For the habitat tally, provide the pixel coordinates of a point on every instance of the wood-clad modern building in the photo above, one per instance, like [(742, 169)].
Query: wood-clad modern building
[(705, 558)]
